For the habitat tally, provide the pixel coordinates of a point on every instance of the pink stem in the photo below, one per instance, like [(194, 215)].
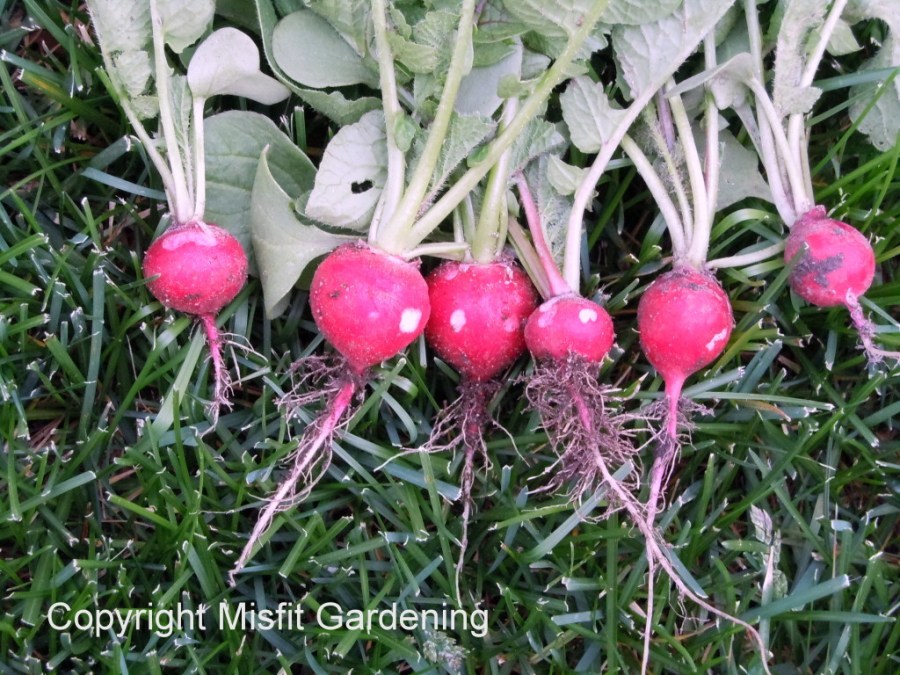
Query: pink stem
[(866, 331), (220, 373), (558, 285), (317, 435)]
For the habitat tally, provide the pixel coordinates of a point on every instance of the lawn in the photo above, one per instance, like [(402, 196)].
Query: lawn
[(124, 507)]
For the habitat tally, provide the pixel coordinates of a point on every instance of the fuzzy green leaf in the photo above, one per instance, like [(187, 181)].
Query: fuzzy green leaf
[(234, 143), (227, 62), (465, 134), (283, 243), (882, 122), (184, 21), (588, 114), (637, 12), (311, 52), (648, 54), (351, 175), (799, 31)]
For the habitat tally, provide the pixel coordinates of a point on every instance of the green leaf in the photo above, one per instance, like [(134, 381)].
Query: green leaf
[(465, 134), (882, 122), (234, 143), (184, 21), (637, 12), (284, 244), (337, 107), (799, 32), (351, 175), (429, 47), (479, 90), (739, 176), (348, 17), (311, 52), (650, 53), (564, 178), (227, 62), (842, 40), (125, 36), (589, 114)]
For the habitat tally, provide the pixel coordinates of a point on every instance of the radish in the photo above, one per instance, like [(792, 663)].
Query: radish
[(193, 267), (198, 268), (684, 317), (835, 265), (478, 315), (568, 337), (370, 306)]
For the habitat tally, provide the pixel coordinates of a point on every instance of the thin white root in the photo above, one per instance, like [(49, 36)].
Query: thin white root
[(866, 331), (308, 463)]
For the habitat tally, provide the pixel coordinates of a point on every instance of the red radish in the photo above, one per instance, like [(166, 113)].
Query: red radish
[(198, 268), (478, 315), (684, 321), (836, 266), (569, 324), (370, 305)]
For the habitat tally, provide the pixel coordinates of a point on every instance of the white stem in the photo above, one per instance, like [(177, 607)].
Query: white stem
[(585, 190), (662, 146), (797, 136), (660, 194), (443, 249), (802, 203), (745, 259), (183, 206), (712, 131), (702, 224), (529, 258), (152, 152), (396, 160), (765, 149), (199, 159)]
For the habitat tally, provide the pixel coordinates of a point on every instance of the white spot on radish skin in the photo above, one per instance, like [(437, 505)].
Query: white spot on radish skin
[(716, 339), (587, 315), (409, 320), (457, 320), (510, 325)]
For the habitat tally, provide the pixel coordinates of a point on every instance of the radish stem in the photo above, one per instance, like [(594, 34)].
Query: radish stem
[(183, 206), (529, 108), (487, 241), (396, 160), (558, 285), (660, 194), (393, 236)]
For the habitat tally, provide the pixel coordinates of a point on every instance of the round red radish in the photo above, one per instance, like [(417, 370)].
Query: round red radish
[(196, 268), (478, 315), (838, 260), (369, 305), (569, 324), (684, 320)]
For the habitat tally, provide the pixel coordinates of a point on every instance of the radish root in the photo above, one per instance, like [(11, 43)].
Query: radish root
[(865, 328), (312, 457), (461, 425)]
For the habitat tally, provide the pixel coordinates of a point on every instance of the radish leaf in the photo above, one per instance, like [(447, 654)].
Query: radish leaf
[(283, 243), (588, 113), (882, 122), (234, 143), (799, 31), (184, 21), (648, 54), (227, 62), (351, 175), (637, 12), (311, 52)]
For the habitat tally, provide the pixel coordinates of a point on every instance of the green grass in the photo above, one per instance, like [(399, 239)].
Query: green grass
[(116, 494)]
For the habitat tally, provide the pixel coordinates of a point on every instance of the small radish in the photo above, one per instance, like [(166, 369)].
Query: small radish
[(370, 306), (569, 336), (836, 265), (198, 268), (478, 315)]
